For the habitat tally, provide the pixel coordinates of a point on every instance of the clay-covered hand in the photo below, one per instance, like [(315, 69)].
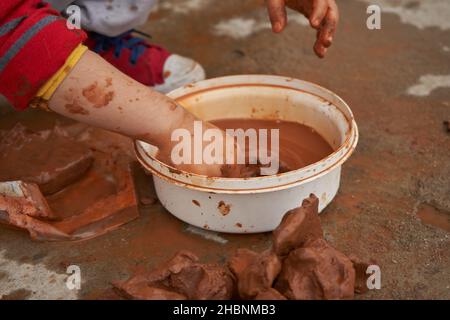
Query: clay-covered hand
[(323, 16)]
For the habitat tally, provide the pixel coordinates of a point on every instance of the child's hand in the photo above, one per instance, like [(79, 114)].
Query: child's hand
[(323, 16)]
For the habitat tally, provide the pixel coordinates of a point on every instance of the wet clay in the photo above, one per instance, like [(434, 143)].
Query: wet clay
[(270, 294), (183, 278), (316, 271), (298, 226), (255, 273), (302, 265), (360, 274), (100, 200), (300, 145), (46, 158), (24, 198)]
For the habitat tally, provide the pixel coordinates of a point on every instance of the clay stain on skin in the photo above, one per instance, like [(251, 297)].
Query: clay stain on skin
[(75, 108), (173, 106), (196, 203), (224, 208), (98, 96)]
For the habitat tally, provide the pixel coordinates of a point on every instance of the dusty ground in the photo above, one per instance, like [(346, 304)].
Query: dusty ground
[(400, 171)]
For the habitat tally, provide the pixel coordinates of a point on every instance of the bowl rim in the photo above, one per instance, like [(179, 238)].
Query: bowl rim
[(350, 142)]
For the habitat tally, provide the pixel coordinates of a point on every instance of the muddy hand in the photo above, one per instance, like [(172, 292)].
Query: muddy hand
[(323, 16)]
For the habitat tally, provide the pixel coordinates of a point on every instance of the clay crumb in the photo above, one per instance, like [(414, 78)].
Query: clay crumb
[(196, 203), (224, 208), (174, 171), (239, 225)]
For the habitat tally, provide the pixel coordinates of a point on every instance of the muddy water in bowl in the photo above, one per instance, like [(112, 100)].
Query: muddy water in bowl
[(299, 145), (255, 204)]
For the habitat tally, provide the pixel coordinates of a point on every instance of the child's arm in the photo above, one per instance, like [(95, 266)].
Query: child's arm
[(39, 53), (323, 16), (96, 93)]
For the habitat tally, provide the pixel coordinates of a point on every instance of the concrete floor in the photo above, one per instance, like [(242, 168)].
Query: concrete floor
[(396, 80)]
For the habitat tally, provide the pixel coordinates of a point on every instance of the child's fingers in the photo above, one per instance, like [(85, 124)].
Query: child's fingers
[(326, 32), (277, 14), (319, 10), (330, 24), (319, 49)]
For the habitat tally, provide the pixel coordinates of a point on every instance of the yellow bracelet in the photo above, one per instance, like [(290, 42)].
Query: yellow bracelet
[(48, 89)]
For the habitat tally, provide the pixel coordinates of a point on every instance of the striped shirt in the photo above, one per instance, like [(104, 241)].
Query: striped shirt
[(34, 44)]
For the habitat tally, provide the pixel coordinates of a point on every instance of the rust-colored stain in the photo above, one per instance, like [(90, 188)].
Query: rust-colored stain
[(239, 225), (76, 108), (174, 171), (98, 96), (224, 208), (196, 203)]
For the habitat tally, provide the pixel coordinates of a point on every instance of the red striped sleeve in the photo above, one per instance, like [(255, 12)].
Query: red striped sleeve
[(34, 43)]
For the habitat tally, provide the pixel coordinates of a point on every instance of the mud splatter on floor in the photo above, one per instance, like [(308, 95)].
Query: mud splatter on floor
[(434, 217)]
